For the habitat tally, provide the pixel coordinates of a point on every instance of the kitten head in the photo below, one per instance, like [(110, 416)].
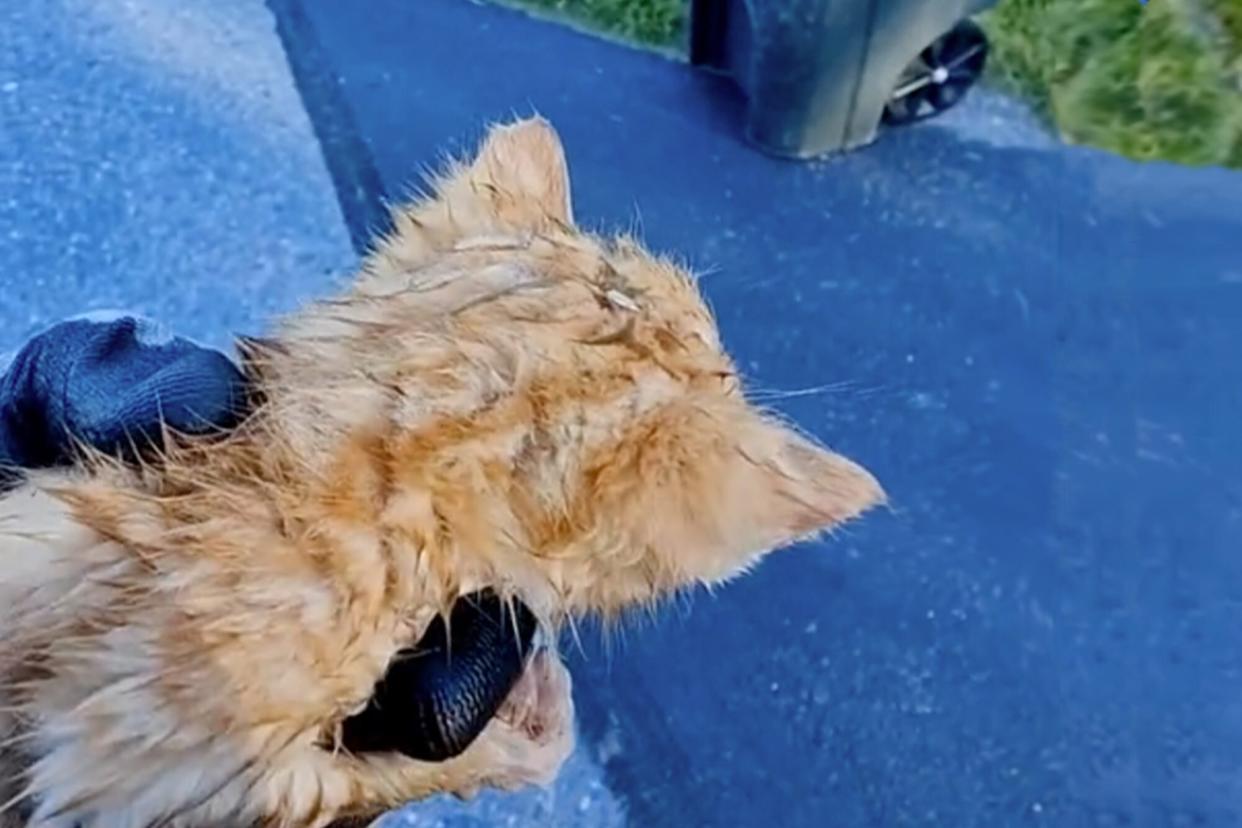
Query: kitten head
[(555, 413)]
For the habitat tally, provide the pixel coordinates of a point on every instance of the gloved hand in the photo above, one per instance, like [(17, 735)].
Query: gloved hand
[(110, 384)]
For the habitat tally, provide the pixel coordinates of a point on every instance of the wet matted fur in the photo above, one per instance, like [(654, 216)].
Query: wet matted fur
[(498, 401)]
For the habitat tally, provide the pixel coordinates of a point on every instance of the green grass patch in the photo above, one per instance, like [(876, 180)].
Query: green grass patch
[(652, 22), (1154, 81)]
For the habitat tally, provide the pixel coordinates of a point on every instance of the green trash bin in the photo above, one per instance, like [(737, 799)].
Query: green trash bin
[(821, 76)]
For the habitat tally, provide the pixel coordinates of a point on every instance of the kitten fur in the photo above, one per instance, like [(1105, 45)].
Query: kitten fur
[(499, 400)]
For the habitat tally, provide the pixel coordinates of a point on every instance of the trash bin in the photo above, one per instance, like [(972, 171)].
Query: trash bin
[(822, 75)]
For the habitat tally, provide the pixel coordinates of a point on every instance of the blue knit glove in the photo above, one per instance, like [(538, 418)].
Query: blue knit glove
[(110, 384)]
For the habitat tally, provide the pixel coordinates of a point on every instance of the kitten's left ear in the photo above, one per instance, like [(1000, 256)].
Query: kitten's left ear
[(516, 184), (521, 170)]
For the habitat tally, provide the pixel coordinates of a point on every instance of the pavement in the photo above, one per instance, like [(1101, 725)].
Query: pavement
[(1035, 348), (155, 156)]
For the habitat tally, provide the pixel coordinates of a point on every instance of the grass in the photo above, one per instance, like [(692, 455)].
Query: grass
[(653, 22), (1154, 81)]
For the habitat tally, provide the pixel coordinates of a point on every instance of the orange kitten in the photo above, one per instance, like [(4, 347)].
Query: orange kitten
[(500, 401)]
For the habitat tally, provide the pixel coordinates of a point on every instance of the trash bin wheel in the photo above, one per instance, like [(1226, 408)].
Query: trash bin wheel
[(939, 76)]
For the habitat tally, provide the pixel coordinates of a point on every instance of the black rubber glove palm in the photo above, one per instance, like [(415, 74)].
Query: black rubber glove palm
[(110, 384)]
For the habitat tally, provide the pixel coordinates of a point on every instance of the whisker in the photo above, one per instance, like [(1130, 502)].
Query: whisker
[(574, 632), (768, 394)]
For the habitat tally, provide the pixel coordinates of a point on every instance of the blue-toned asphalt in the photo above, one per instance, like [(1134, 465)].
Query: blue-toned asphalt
[(155, 156), (1037, 349)]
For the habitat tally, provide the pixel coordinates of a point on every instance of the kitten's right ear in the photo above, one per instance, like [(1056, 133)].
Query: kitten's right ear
[(517, 184), (747, 486), (705, 487)]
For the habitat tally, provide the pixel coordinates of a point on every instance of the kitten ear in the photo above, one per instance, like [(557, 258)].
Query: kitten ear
[(516, 184), (718, 489), (811, 488), (778, 489), (522, 169)]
